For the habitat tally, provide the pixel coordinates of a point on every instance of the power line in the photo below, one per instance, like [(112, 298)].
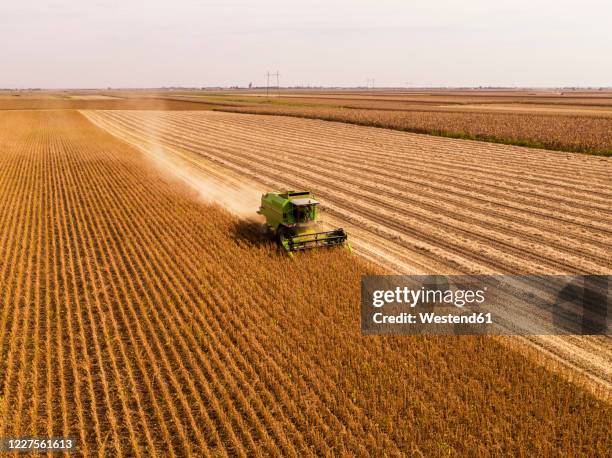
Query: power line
[(277, 83), (268, 75)]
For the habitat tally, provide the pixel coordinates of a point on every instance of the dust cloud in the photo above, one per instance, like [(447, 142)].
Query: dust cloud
[(212, 183), (239, 198)]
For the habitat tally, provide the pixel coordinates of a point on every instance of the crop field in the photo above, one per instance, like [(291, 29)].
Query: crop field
[(426, 188), (387, 98), (566, 121), (121, 101), (144, 321), (305, 229), (115, 328)]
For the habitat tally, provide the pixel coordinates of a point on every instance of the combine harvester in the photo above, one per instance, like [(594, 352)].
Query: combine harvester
[(292, 216)]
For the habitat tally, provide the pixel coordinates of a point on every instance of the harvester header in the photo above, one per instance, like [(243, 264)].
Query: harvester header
[(293, 217)]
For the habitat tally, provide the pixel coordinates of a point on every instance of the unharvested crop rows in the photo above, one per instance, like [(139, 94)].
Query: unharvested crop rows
[(416, 203), (128, 323), (124, 399)]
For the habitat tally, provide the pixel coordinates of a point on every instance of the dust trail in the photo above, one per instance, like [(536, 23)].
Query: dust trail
[(211, 184), (236, 197)]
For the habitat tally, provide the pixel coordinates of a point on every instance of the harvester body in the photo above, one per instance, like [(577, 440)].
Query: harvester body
[(293, 217)]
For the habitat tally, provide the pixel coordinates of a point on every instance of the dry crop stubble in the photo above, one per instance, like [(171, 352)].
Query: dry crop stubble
[(172, 328), (590, 133)]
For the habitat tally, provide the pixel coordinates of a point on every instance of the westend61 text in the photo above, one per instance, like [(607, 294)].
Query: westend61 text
[(432, 318)]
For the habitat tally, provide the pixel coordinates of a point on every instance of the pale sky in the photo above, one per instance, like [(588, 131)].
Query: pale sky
[(129, 43)]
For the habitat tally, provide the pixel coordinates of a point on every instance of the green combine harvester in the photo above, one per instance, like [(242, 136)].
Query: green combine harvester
[(292, 216)]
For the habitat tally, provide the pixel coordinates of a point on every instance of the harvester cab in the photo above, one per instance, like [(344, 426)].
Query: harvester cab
[(293, 217)]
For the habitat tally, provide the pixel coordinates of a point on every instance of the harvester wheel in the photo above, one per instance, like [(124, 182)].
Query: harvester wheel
[(283, 234)]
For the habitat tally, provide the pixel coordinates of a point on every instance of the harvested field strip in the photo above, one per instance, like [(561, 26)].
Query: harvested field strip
[(126, 328), (487, 157), (579, 132), (569, 203), (395, 144), (447, 170), (128, 103), (371, 155), (412, 202)]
